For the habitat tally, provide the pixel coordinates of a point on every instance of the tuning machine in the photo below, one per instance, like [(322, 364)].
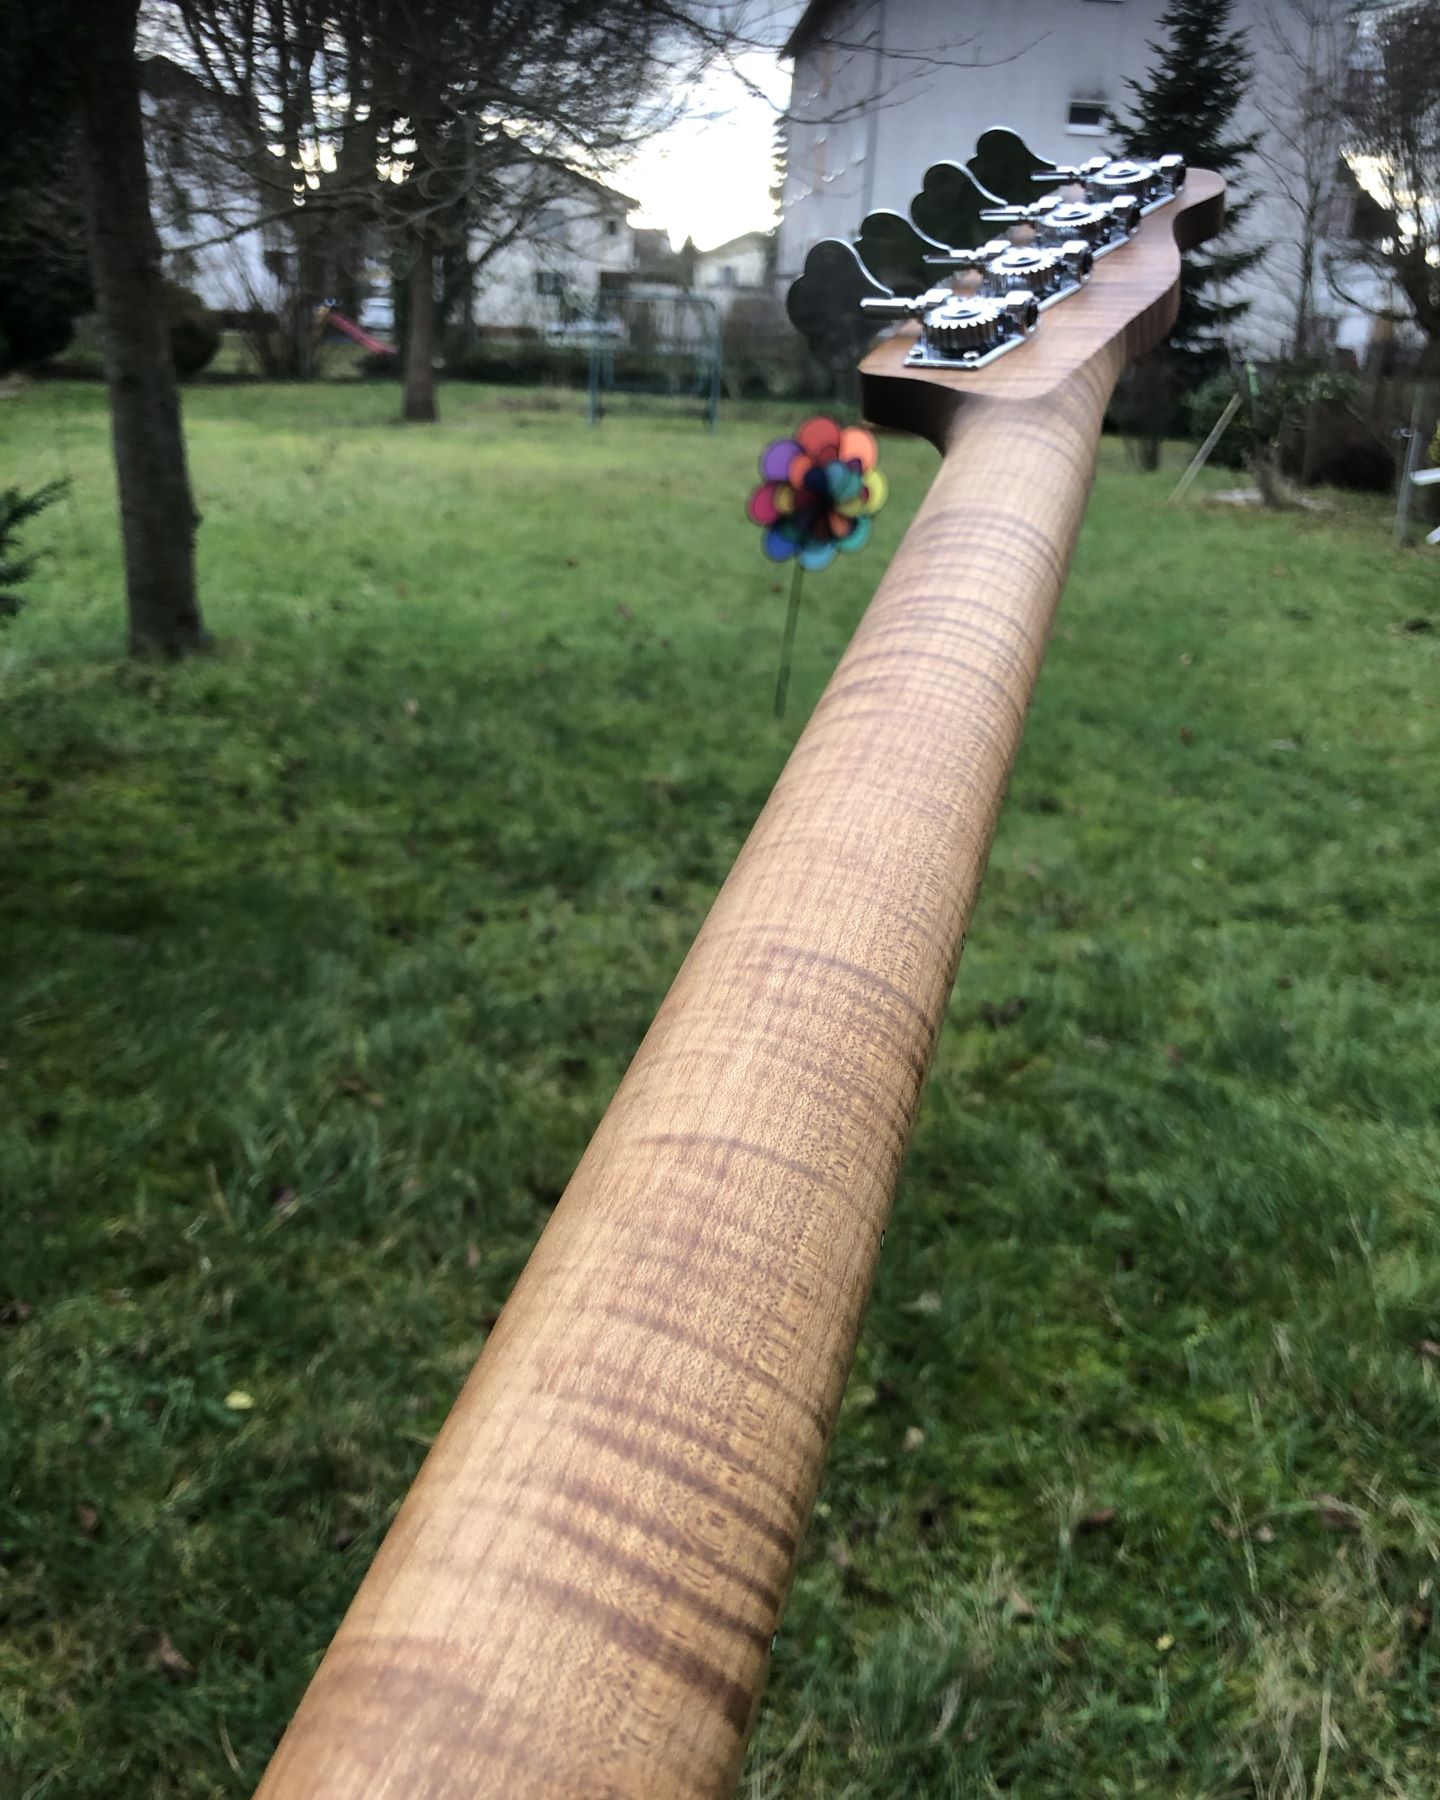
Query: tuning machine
[(893, 269), (962, 331), (1049, 271), (1150, 182)]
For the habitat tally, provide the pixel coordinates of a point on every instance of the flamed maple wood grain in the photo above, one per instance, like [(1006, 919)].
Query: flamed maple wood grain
[(578, 1596)]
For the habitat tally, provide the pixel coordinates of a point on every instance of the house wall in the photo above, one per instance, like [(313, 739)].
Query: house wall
[(555, 270), (731, 270), (925, 77)]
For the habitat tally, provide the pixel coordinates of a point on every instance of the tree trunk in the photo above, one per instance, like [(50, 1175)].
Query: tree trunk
[(420, 408), (157, 512)]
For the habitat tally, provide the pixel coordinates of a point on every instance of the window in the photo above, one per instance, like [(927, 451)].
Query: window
[(549, 281), (612, 228), (1087, 115), (727, 275)]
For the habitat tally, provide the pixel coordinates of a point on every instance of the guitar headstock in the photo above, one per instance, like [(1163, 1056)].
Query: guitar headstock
[(1011, 274)]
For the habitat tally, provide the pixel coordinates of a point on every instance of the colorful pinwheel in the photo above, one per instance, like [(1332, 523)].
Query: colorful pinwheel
[(820, 491)]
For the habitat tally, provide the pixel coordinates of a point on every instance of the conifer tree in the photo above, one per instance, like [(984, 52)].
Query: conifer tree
[(1187, 102)]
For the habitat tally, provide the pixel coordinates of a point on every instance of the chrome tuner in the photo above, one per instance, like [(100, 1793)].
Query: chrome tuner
[(1149, 183), (1047, 254), (962, 331)]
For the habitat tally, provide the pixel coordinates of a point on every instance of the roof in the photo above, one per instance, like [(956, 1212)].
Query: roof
[(744, 242), (809, 25)]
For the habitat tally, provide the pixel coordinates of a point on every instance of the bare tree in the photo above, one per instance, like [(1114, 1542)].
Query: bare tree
[(1307, 48), (438, 123), (1392, 118)]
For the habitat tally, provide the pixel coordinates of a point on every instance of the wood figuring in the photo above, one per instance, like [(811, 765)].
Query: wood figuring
[(579, 1595)]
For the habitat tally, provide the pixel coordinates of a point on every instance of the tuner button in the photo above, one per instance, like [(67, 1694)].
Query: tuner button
[(1174, 171), (1080, 258)]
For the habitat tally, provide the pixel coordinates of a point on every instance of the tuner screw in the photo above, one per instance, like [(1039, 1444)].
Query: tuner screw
[(1080, 258), (1024, 311), (1125, 210)]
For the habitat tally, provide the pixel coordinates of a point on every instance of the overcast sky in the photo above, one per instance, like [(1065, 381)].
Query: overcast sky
[(709, 175)]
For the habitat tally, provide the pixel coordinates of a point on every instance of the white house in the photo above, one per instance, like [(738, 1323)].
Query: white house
[(884, 88), (740, 266), (546, 266)]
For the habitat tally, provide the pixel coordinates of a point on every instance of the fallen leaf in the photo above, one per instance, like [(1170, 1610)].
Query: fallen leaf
[(239, 1401), (1020, 1608), (1006, 1013), (165, 1657), (87, 1517), (1186, 735), (1165, 1641), (1264, 1534), (949, 1706), (1099, 1520), (1186, 659), (1334, 1514), (1429, 1350), (351, 1084), (472, 1256), (914, 1438), (924, 1303)]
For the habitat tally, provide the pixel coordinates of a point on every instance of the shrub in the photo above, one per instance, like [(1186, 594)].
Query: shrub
[(17, 509), (1303, 421), (380, 365), (194, 329)]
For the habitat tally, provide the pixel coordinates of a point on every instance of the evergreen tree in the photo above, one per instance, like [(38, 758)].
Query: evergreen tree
[(1187, 103)]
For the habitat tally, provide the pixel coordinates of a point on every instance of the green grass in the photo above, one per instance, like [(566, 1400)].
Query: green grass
[(323, 955)]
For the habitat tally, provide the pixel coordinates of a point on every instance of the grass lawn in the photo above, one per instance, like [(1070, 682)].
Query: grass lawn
[(322, 956)]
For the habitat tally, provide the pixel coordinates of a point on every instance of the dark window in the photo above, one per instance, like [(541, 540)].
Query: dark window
[(1087, 115), (612, 228), (549, 281)]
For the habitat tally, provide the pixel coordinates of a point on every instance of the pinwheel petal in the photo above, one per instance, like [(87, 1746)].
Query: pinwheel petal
[(784, 496), (877, 491), (857, 538), (858, 445), (778, 545), (762, 508), (776, 458), (819, 437), (843, 482), (817, 556)]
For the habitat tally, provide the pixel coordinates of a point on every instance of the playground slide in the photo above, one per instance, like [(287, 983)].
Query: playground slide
[(363, 338)]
